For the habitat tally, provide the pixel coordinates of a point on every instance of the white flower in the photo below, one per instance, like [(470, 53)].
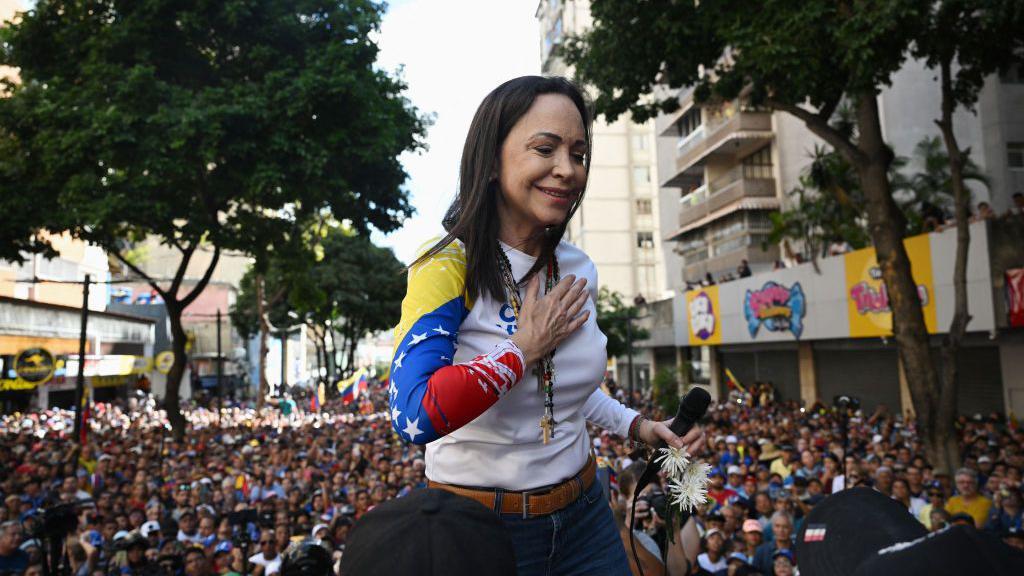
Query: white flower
[(673, 461), (690, 489)]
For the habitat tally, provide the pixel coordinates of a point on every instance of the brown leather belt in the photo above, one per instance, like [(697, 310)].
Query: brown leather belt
[(541, 502)]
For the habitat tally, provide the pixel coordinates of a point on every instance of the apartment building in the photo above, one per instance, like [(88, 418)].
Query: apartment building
[(725, 168), (618, 222), (818, 331)]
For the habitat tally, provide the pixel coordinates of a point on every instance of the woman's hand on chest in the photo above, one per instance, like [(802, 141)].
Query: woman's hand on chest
[(545, 321)]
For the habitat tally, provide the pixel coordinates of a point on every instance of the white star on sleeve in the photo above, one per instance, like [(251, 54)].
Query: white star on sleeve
[(392, 389), (416, 339), (398, 361), (395, 412), (440, 330), (412, 429)]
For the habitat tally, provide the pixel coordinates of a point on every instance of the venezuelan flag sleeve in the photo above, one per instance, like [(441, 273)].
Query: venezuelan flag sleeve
[(429, 396)]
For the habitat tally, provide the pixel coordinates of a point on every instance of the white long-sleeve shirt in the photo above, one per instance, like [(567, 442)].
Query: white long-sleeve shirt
[(501, 445)]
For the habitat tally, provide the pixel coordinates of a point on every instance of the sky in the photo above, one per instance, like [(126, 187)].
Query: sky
[(454, 53)]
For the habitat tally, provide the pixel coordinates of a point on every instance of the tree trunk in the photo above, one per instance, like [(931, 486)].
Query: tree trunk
[(264, 329), (961, 316), (332, 362), (887, 224), (172, 398)]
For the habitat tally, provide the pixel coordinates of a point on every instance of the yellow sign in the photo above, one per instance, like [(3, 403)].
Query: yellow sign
[(9, 384), (163, 361), (704, 316), (35, 365), (867, 299)]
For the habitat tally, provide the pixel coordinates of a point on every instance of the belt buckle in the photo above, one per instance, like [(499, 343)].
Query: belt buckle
[(525, 494)]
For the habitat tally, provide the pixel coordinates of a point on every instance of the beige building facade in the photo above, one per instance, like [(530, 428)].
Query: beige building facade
[(618, 222)]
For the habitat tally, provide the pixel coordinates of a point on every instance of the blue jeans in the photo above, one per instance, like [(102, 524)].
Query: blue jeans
[(579, 539)]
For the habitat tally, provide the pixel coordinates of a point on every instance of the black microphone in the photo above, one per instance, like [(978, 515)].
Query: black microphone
[(692, 408)]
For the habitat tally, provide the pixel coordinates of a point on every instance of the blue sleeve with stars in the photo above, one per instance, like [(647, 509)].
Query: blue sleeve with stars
[(429, 396)]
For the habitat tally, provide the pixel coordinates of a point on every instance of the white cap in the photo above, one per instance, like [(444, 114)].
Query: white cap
[(121, 534), (318, 528), (876, 438), (734, 469), (730, 439), (149, 527)]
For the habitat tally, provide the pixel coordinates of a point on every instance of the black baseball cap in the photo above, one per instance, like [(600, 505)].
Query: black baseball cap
[(953, 551), (440, 534), (849, 526)]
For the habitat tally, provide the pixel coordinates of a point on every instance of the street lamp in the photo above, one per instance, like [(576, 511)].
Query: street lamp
[(638, 303)]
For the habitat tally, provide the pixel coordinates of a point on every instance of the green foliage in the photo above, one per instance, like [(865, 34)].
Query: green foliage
[(355, 288), (219, 122), (981, 37), (666, 390), (613, 317), (780, 52), (934, 184), (831, 201)]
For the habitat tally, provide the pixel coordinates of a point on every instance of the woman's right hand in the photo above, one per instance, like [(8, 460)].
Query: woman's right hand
[(545, 321)]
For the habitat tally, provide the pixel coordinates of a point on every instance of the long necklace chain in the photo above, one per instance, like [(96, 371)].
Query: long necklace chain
[(545, 370)]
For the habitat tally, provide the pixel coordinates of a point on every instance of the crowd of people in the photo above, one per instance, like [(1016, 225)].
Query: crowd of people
[(243, 487)]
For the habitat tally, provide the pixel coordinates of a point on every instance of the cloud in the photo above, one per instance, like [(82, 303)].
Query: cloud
[(454, 53)]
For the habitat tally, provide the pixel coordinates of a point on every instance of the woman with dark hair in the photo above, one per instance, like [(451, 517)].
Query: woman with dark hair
[(498, 356)]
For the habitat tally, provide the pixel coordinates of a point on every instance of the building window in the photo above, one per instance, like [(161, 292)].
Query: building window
[(758, 164), (639, 142), (641, 175), (645, 240), (1015, 155), (688, 122), (643, 207)]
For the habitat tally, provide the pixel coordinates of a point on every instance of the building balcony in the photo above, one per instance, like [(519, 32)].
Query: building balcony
[(724, 256), (729, 135), (726, 194)]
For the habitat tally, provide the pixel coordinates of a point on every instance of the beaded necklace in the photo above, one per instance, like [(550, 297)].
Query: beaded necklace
[(545, 369)]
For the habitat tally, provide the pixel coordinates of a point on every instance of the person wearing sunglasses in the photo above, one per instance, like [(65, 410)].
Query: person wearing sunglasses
[(267, 560)]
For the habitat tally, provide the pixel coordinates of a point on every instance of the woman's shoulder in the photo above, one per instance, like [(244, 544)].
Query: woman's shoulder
[(450, 257), (573, 260)]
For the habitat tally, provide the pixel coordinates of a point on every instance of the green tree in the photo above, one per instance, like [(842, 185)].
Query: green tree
[(965, 41), (231, 124), (348, 289), (666, 390), (613, 318), (802, 58), (363, 286)]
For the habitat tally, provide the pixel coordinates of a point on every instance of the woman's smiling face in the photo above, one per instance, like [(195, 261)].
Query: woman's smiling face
[(542, 167)]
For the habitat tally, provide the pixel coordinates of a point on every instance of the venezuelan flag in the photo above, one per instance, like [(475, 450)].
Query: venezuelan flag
[(732, 382), (351, 387)]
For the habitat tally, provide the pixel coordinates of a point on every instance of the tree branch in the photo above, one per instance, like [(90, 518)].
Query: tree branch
[(821, 128), (179, 275), (149, 280), (202, 281)]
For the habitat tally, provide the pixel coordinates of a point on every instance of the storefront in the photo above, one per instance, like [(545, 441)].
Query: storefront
[(119, 352), (815, 334)]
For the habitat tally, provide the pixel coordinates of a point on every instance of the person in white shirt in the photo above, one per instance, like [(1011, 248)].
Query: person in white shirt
[(714, 559), (268, 558), (498, 356)]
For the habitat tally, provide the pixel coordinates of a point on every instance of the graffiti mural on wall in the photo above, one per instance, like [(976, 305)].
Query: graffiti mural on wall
[(777, 308), (703, 316), (875, 300)]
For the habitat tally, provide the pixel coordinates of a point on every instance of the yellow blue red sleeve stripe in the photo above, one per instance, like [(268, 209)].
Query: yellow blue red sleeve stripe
[(429, 396)]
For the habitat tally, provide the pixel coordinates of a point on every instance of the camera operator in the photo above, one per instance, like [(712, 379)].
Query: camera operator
[(12, 558)]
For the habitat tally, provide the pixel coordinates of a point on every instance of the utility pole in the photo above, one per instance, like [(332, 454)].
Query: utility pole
[(80, 383)]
